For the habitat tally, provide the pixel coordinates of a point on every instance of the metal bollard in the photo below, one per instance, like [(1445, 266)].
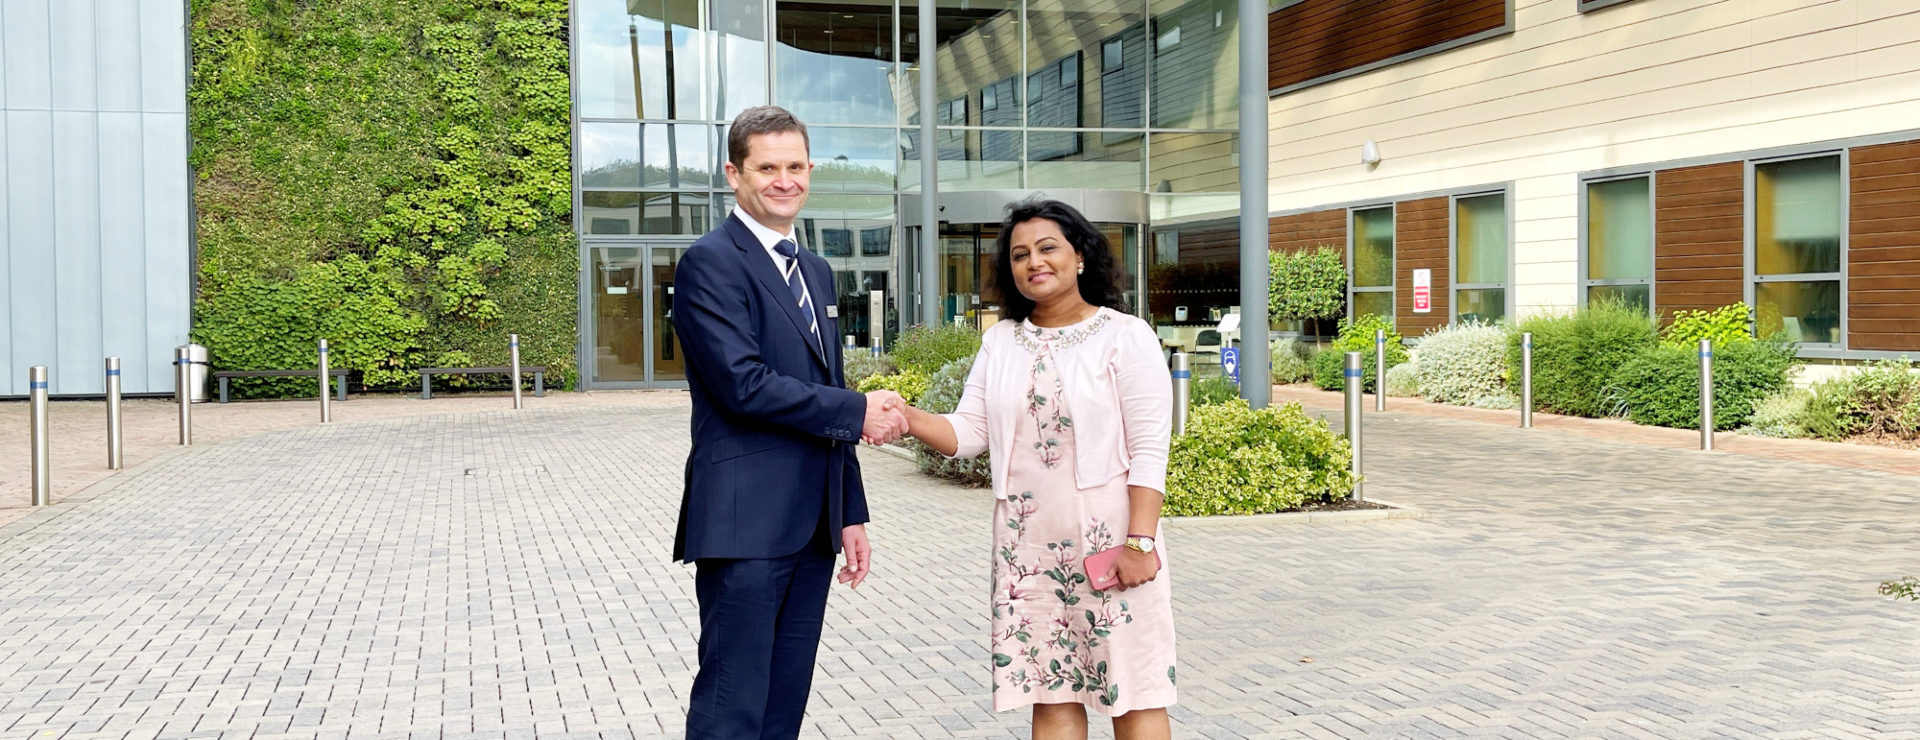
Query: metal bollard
[(849, 344), (1379, 369), (326, 394), (1526, 380), (513, 349), (182, 369), (114, 457), (1182, 391), (876, 347), (42, 453), (1356, 381), (1706, 395)]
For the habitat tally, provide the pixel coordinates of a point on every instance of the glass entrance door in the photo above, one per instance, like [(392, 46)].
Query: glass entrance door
[(630, 317)]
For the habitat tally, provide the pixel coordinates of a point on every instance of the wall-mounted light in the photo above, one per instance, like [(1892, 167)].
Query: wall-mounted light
[(1369, 153)]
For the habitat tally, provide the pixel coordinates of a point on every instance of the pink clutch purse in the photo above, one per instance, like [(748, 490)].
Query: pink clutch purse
[(1100, 567)]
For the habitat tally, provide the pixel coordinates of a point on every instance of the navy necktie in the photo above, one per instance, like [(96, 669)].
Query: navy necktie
[(798, 285)]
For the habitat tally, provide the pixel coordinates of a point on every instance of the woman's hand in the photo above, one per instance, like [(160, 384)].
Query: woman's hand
[(1135, 567)]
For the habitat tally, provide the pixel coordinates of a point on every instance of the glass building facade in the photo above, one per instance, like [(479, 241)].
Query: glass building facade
[(1063, 97)]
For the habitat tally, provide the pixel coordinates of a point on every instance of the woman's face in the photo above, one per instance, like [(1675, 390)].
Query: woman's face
[(1045, 266)]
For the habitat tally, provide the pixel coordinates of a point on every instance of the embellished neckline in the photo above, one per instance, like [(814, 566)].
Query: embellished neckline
[(1032, 337)]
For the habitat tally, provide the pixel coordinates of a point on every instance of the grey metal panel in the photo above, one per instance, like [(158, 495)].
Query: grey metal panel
[(169, 255), (30, 239), (70, 47), (117, 47), (163, 57), (123, 266), (76, 253), (7, 387), (29, 77)]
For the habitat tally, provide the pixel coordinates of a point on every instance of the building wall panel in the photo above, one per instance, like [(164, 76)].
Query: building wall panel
[(1420, 242), (1883, 256), (1699, 237), (1315, 38), (1302, 232)]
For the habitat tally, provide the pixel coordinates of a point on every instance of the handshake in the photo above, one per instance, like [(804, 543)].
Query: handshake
[(886, 417)]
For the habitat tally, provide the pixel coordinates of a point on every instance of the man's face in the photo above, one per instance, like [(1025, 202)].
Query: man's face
[(771, 185)]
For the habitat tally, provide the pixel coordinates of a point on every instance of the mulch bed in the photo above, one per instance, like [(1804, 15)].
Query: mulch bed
[(1346, 505)]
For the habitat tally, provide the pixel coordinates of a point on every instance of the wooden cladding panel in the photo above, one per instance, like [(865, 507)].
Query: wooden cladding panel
[(1316, 38), (1420, 242), (1699, 237), (1883, 250), (1304, 231)]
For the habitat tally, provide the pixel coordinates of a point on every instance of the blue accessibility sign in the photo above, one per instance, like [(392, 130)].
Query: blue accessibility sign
[(1230, 363)]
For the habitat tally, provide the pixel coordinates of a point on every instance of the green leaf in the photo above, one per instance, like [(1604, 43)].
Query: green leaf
[(1002, 660)]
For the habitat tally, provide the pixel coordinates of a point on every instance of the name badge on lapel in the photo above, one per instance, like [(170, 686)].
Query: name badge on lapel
[(833, 311)]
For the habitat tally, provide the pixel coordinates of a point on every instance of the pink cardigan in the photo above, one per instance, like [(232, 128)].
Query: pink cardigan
[(1118, 393)]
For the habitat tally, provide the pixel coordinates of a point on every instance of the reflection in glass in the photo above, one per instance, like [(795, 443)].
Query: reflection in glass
[(851, 159), (609, 155), (855, 235), (1373, 303), (620, 283), (740, 43), (1123, 77), (1620, 230), (1801, 311), (965, 258), (1063, 36), (1074, 159), (962, 165), (641, 59), (1636, 296), (610, 213), (834, 61), (1196, 64), (1482, 304), (674, 213), (651, 155), (1797, 215), (1196, 269), (669, 362), (1373, 248), (1194, 163), (1480, 240)]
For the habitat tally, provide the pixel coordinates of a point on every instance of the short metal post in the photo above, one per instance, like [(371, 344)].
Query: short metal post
[(513, 349), (1356, 380), (326, 394), (114, 458), (1182, 391), (1379, 369), (1706, 394), (1526, 380), (42, 454), (876, 347), (182, 369), (849, 344)]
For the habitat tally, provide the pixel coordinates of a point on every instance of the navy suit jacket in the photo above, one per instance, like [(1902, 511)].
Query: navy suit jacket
[(774, 428)]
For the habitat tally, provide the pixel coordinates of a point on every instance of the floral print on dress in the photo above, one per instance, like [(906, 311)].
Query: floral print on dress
[(1071, 654)]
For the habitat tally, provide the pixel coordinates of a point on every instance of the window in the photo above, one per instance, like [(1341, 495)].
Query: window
[(1370, 252), (1618, 254), (1112, 57), (1070, 71), (876, 242), (1795, 231), (836, 243), (1480, 257), (1168, 39)]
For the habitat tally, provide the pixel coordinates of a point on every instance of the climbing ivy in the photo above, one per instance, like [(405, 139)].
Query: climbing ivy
[(393, 175)]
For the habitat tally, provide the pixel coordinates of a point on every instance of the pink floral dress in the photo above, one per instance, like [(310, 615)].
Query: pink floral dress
[(1055, 639)]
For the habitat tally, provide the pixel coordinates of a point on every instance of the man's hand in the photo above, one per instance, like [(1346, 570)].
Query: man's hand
[(886, 421), (1135, 567), (853, 543)]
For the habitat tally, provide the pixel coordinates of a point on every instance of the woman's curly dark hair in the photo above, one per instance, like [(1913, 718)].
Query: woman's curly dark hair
[(1100, 285)]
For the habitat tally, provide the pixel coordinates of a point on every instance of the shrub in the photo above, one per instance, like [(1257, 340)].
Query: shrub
[(1905, 588), (860, 365), (1883, 399), (924, 349), (909, 384), (1306, 285), (1234, 460), (1724, 325), (1827, 411), (1781, 414), (1212, 390), (1404, 380), (942, 397), (1466, 365), (1661, 385), (1290, 362), (1575, 355), (1357, 336)]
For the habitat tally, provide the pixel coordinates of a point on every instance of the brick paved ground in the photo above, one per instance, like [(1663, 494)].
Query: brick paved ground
[(502, 574)]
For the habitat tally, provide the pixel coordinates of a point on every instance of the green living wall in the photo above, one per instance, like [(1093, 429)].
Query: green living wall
[(393, 175)]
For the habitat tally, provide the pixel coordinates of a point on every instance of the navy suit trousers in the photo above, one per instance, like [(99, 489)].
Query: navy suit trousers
[(760, 623)]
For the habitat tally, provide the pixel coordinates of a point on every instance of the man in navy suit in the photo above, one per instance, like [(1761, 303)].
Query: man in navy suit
[(773, 486)]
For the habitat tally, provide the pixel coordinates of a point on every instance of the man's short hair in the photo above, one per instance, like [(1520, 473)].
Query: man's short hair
[(760, 121)]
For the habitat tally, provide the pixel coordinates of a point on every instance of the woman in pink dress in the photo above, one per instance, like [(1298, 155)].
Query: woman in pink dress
[(1072, 400)]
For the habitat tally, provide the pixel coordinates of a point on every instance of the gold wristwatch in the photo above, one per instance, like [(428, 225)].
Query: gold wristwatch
[(1140, 544)]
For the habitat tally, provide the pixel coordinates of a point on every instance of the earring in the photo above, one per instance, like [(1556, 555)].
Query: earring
[(1082, 270)]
